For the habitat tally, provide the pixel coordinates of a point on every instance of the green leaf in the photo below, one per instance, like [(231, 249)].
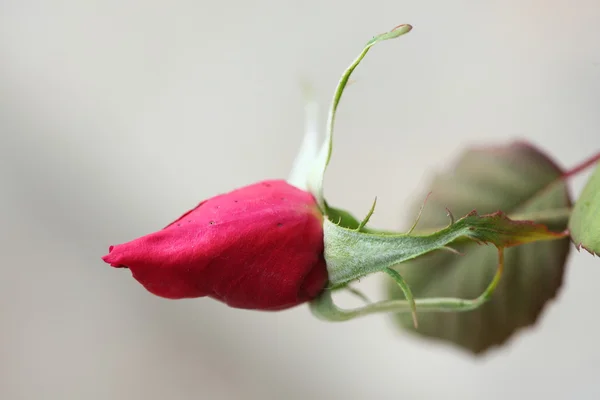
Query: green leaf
[(521, 181), (584, 223)]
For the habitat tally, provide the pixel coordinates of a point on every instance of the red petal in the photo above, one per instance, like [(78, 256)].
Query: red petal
[(258, 247)]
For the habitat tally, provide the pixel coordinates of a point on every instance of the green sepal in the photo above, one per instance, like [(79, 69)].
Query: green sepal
[(351, 254), (341, 217), (317, 173), (323, 307)]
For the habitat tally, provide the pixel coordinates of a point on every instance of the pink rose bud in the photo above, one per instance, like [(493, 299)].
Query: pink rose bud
[(257, 247)]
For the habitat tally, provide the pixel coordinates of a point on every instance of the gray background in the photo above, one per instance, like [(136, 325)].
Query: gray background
[(117, 116)]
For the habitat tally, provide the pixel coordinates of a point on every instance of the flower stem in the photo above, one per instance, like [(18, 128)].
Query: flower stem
[(584, 165)]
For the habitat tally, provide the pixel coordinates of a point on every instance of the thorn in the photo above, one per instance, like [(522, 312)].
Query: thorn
[(412, 228), (450, 215)]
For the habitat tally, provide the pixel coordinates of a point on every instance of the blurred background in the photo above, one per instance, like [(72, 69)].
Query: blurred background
[(117, 116)]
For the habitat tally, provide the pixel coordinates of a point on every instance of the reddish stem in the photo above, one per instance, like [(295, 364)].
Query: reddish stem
[(586, 164)]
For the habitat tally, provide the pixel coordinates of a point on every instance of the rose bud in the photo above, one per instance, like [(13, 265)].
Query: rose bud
[(277, 244), (257, 247)]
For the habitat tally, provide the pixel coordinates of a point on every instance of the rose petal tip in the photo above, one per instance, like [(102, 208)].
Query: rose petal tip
[(111, 259)]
